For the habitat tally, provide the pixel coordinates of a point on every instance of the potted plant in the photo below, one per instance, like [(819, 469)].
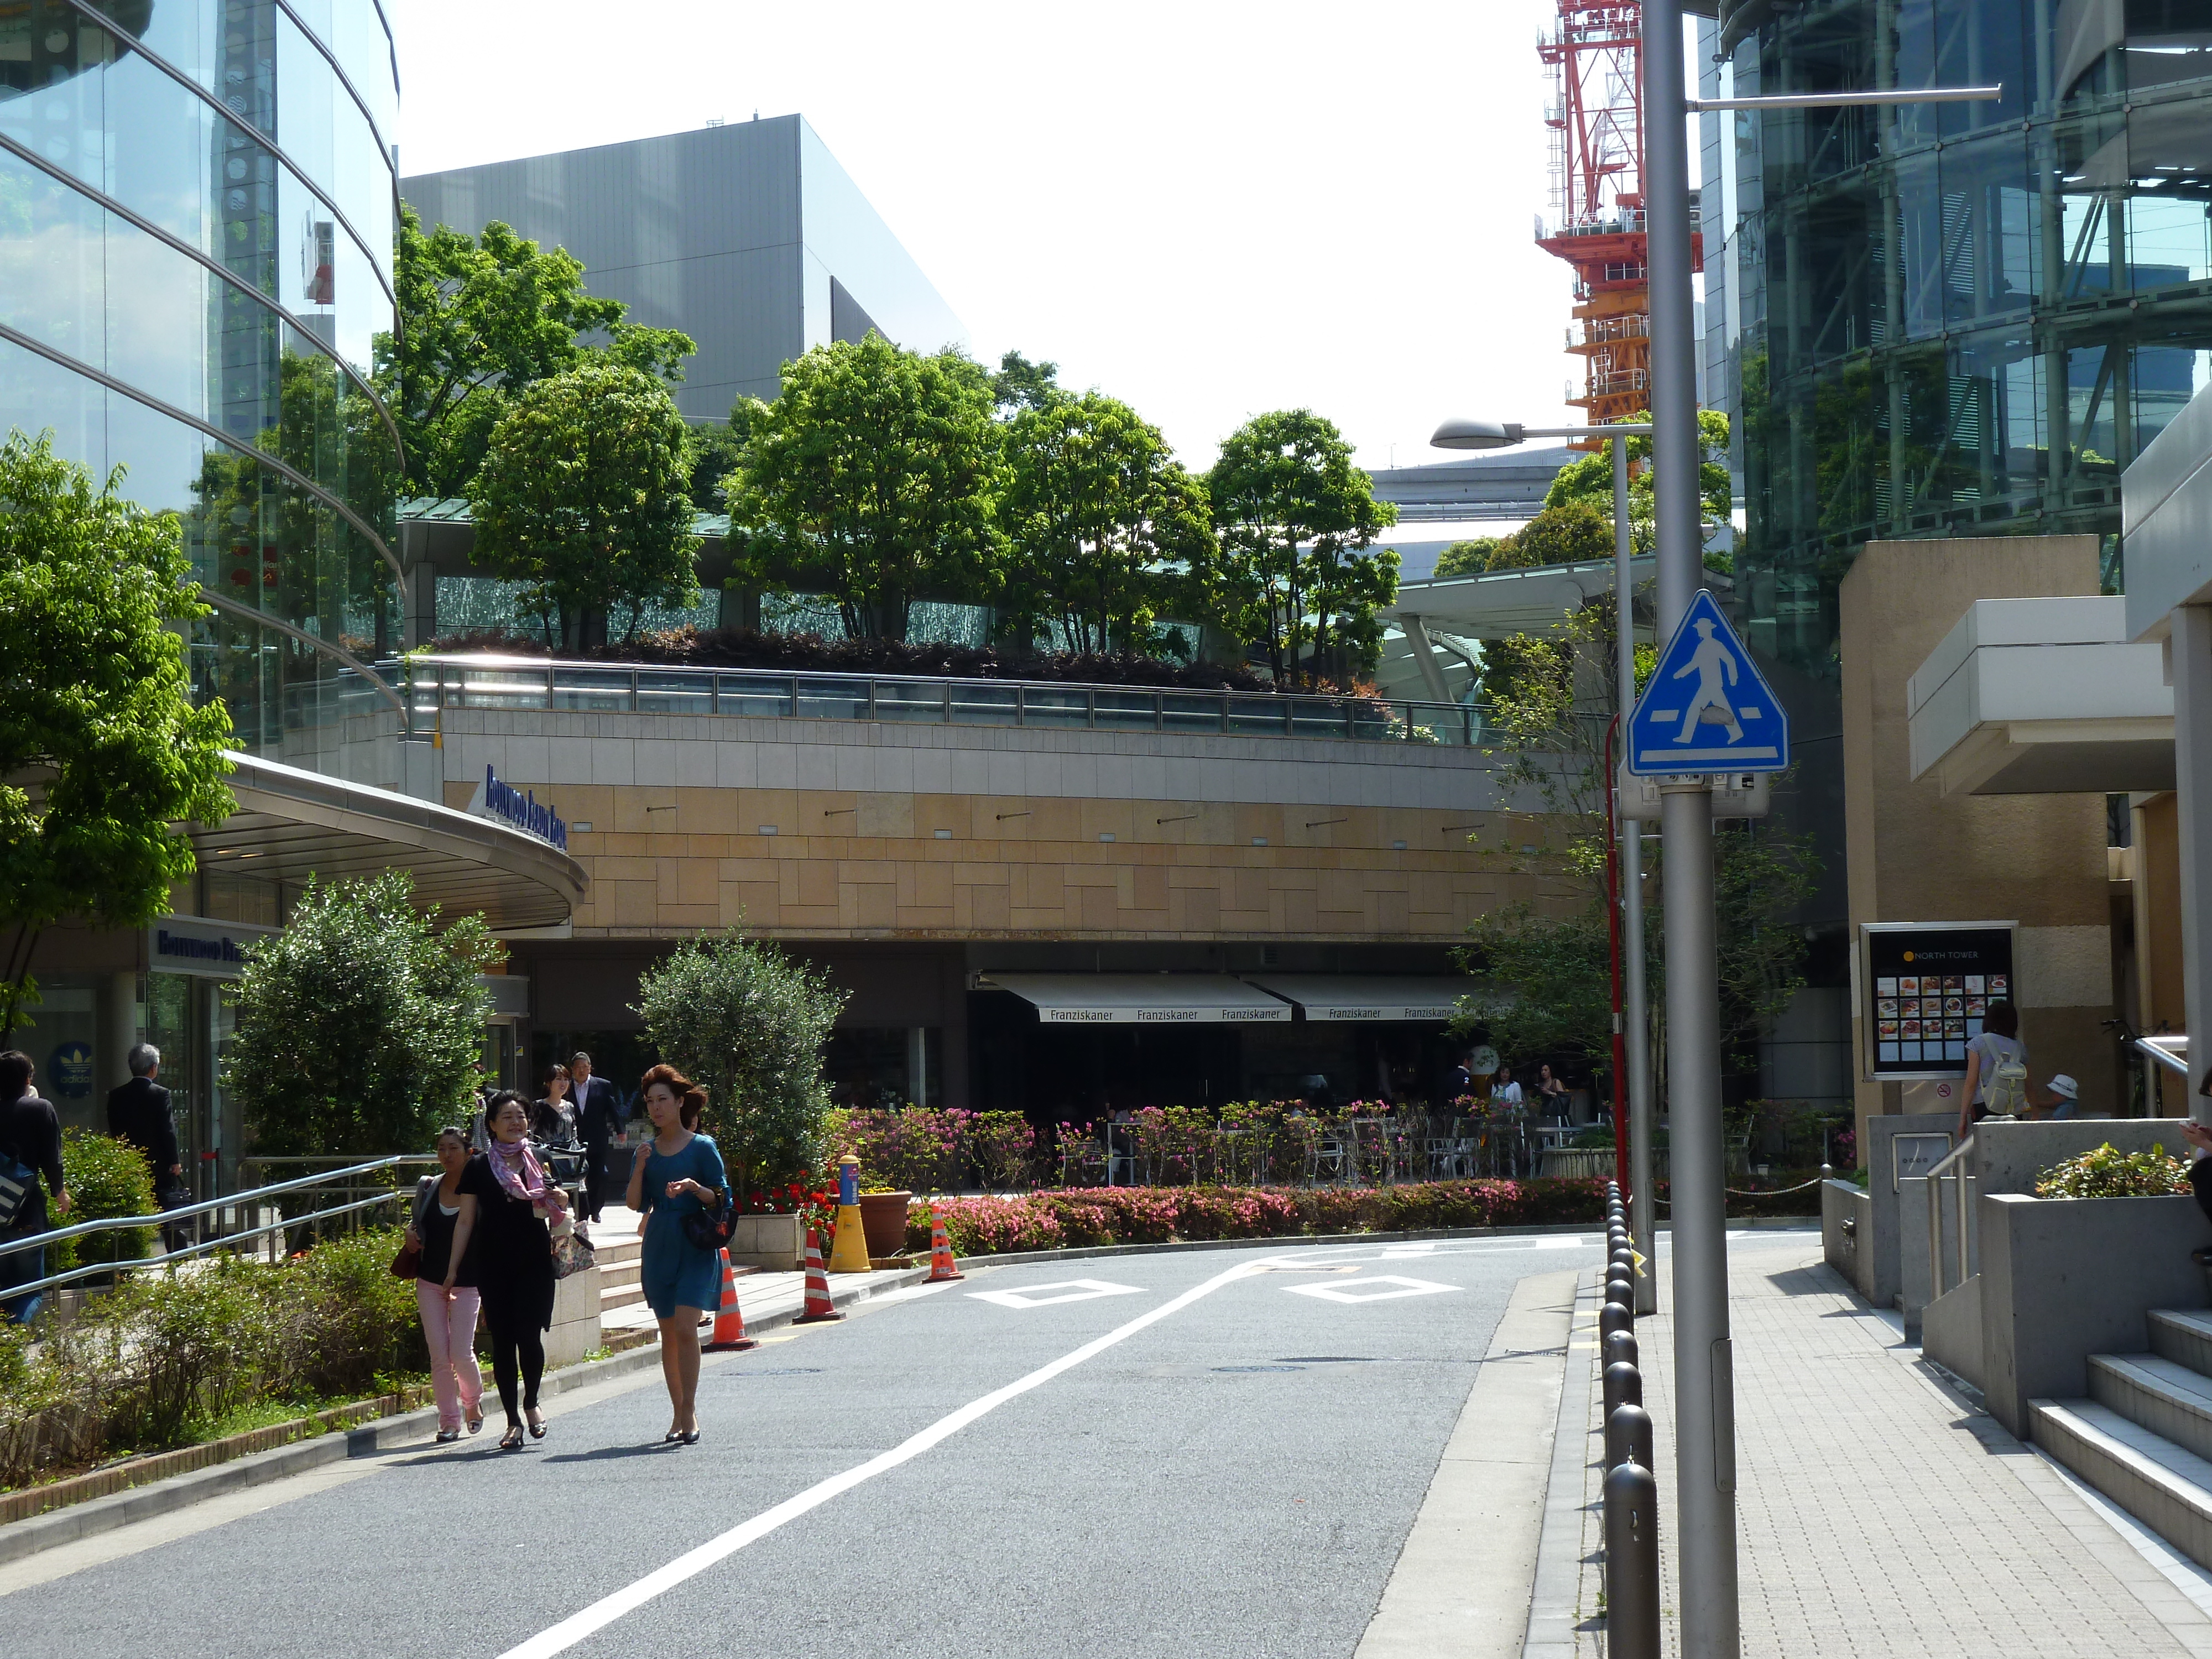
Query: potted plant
[(883, 1220)]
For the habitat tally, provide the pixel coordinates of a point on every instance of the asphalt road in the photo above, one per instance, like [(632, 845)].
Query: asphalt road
[(1010, 1474)]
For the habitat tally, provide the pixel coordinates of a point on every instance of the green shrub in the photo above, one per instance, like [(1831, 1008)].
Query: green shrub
[(107, 1177), (163, 1354), (2110, 1173), (343, 1320)]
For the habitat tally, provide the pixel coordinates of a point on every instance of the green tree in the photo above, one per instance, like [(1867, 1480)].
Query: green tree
[(480, 318), (749, 1024), (585, 495), (1296, 518), (871, 479), (1589, 478), (360, 1025), (100, 749), (1107, 532), (1572, 533), (1020, 383), (1467, 558)]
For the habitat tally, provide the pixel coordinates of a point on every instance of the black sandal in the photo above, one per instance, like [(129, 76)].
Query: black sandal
[(512, 1440), (537, 1430)]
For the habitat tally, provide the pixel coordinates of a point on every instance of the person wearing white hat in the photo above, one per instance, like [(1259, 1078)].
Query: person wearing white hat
[(2064, 1093)]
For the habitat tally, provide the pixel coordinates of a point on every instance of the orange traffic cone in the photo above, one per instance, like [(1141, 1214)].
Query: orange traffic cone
[(942, 1267), (729, 1335), (818, 1310)]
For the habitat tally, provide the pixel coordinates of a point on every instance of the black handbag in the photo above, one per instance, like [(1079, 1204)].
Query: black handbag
[(710, 1230)]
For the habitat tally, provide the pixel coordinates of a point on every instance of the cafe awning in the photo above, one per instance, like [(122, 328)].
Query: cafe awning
[(1143, 999), (1329, 996)]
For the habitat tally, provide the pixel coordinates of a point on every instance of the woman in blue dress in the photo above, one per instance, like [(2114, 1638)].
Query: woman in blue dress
[(677, 1174)]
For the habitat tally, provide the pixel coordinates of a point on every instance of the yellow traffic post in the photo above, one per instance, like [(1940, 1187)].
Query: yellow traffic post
[(849, 1253)]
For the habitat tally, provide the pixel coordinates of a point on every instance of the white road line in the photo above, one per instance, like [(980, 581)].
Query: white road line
[(604, 1612)]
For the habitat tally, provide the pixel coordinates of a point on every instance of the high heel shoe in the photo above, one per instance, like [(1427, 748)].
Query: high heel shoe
[(512, 1440), (691, 1437), (538, 1429)]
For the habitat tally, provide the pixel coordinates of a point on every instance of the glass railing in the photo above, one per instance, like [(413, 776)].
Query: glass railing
[(435, 684)]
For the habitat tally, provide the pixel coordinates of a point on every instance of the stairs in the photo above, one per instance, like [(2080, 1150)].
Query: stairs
[(619, 1273), (2144, 1438)]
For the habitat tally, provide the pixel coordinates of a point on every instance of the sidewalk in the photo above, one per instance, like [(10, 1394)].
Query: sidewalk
[(1879, 1511)]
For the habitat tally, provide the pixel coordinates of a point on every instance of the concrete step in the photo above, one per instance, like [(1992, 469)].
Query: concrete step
[(2183, 1335), (2157, 1394), (2166, 1486)]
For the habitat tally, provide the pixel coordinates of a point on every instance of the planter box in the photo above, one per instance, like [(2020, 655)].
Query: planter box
[(575, 1328), (1847, 1233), (1577, 1163), (775, 1241), (883, 1222)]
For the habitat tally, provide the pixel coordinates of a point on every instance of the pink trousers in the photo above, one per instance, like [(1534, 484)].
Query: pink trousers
[(449, 1325)]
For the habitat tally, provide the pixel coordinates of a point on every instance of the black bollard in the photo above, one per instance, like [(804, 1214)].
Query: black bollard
[(1623, 1260), (1627, 1436), (1623, 1386), (1620, 1345), (1619, 1287), (1611, 1317), (1631, 1563)]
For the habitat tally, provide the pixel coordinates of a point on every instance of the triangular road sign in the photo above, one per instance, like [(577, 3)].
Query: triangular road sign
[(1705, 708)]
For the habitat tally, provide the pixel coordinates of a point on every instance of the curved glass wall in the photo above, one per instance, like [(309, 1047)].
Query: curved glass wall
[(1956, 319), (197, 216)]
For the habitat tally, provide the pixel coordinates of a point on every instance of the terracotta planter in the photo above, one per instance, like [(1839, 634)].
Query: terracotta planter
[(883, 1222)]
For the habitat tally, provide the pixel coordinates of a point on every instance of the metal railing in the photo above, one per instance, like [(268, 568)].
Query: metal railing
[(2156, 1049), (1596, 331), (253, 1201), (436, 683), (1952, 1169)]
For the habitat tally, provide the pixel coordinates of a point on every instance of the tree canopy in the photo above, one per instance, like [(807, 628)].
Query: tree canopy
[(360, 1025), (1108, 533), (748, 1023), (871, 479), (1295, 518), (585, 497), (481, 318), (1589, 480), (95, 707)]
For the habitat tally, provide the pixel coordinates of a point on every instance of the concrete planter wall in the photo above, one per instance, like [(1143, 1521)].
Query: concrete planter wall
[(775, 1241), (575, 1329), (1847, 1233), (2063, 1279)]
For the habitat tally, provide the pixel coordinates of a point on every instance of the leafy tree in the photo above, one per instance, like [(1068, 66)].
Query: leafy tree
[(1572, 533), (1107, 533), (1550, 958), (869, 479), (1295, 518), (710, 458), (100, 749), (1020, 383), (585, 495), (360, 1024), (748, 1023), (1589, 478), (1467, 558), (480, 318)]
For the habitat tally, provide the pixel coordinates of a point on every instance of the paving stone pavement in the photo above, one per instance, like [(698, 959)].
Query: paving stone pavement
[(1878, 1511)]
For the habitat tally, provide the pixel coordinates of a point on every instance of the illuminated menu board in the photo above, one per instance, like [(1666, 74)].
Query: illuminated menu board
[(1926, 986)]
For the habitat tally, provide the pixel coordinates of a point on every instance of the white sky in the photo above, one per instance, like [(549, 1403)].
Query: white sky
[(1206, 209)]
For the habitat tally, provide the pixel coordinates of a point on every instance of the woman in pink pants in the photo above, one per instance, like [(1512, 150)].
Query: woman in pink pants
[(445, 1289)]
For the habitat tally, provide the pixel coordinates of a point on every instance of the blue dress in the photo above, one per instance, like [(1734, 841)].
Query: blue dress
[(672, 1271)]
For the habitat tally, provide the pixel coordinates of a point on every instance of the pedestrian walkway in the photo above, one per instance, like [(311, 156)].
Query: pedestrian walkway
[(1879, 1510)]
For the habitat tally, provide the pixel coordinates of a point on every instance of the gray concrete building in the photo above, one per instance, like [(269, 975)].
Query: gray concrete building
[(748, 237)]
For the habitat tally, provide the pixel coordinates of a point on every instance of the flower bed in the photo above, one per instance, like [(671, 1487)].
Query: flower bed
[(1072, 1218)]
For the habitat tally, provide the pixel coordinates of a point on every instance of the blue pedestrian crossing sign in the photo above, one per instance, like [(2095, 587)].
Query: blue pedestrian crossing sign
[(1705, 708)]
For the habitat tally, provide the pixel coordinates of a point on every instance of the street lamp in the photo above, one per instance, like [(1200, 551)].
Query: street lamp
[(1704, 1365), (1635, 1019)]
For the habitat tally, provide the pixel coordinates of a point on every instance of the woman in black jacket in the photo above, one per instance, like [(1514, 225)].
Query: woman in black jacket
[(514, 1197), (29, 1128)]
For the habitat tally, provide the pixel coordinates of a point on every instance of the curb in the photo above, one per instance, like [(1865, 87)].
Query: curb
[(1552, 1597), (94, 1515)]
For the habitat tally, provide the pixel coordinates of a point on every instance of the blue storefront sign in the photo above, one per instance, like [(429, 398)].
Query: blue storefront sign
[(520, 808)]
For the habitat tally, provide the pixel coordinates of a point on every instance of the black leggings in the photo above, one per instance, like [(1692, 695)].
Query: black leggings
[(2200, 1182), (506, 1347)]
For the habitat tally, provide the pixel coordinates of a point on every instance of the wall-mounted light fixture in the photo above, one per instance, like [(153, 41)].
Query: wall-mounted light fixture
[(1316, 823), (1185, 819), (1003, 817)]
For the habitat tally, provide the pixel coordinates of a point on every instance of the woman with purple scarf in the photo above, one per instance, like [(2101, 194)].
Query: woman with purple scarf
[(514, 1256)]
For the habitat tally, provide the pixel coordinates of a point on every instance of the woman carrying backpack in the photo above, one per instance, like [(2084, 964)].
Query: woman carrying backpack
[(1997, 1070), (677, 1175)]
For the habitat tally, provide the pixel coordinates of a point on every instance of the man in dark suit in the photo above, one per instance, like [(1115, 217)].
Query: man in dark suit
[(139, 1112), (599, 1121)]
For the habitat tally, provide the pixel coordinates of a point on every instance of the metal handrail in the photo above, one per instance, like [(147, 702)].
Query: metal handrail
[(1959, 1179), (235, 1200), (536, 683), (2165, 1057)]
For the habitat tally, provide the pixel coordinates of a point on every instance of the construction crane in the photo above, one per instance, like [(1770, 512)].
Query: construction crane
[(1597, 223)]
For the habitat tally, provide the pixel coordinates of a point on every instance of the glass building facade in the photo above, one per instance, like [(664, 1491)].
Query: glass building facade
[(1950, 319), (197, 201)]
